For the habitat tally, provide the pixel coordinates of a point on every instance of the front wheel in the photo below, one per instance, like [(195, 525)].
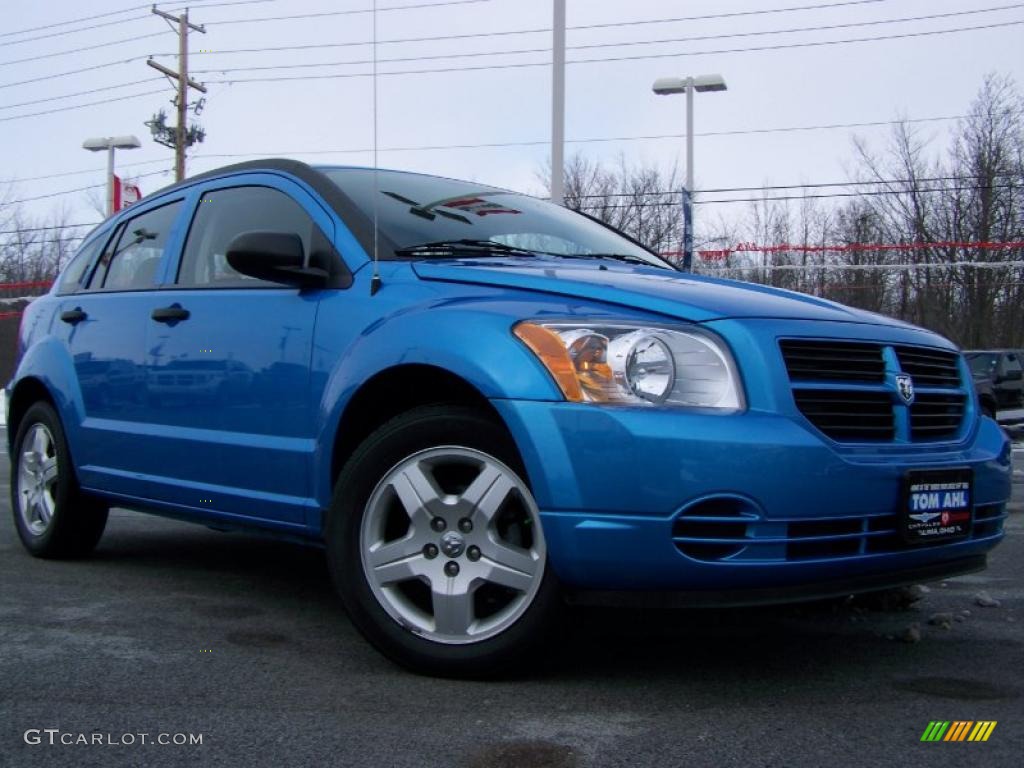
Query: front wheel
[(436, 546), (54, 519)]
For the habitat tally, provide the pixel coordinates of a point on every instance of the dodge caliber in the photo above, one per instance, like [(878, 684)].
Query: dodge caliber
[(481, 404)]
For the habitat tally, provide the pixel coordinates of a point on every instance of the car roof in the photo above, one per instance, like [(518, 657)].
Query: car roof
[(355, 219), (358, 222)]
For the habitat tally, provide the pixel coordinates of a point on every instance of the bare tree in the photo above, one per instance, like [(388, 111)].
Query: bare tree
[(34, 250), (641, 200)]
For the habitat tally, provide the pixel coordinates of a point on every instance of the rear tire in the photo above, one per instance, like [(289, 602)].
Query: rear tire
[(53, 518), (435, 545)]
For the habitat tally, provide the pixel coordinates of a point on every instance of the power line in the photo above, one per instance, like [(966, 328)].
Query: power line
[(818, 185), (729, 15), (56, 24), (82, 93), (352, 12), (45, 229), (641, 57), (875, 193), (870, 267), (82, 172), (93, 17), (815, 185), (814, 44), (155, 34), (72, 191), (438, 38), (513, 144), (833, 195), (80, 106), (540, 30), (656, 204), (592, 140), (73, 239), (73, 72), (702, 17), (871, 193), (83, 48), (594, 46), (522, 51), (793, 30), (983, 245)]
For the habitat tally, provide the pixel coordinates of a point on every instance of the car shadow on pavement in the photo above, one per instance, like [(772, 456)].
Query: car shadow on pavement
[(253, 587)]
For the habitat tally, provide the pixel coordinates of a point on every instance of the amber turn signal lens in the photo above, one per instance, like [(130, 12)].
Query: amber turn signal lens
[(548, 347)]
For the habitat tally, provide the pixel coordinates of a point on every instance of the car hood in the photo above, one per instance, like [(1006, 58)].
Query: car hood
[(682, 295)]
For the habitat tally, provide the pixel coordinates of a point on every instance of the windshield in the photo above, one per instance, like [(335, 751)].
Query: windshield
[(982, 363), (414, 210)]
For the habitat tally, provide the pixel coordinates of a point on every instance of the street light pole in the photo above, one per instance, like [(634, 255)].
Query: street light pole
[(110, 143), (110, 179), (668, 86), (689, 147), (558, 104)]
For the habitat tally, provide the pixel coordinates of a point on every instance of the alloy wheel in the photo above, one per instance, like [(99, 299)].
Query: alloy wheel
[(37, 479), (452, 546)]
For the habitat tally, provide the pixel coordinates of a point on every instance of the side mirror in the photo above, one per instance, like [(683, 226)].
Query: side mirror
[(274, 256)]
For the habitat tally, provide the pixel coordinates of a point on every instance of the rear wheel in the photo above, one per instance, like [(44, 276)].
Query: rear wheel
[(53, 518), (436, 546)]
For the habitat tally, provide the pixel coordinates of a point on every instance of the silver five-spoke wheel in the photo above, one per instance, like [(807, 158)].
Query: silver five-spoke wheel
[(452, 546), (37, 479)]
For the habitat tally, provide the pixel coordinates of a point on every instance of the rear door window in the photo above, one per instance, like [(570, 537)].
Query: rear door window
[(131, 262)]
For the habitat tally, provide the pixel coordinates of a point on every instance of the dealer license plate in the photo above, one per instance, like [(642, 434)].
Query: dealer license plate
[(937, 505)]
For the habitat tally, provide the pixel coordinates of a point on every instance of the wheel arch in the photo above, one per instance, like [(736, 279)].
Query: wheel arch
[(26, 392), (396, 390)]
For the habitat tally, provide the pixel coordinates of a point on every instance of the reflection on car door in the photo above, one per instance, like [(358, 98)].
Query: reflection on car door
[(103, 321), (227, 373)]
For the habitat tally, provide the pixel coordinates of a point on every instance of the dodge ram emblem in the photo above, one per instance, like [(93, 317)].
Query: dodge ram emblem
[(905, 386)]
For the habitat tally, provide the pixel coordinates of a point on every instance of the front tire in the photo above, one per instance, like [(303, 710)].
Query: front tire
[(435, 544), (53, 518)]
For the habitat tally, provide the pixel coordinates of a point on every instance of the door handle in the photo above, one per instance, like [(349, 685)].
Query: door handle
[(73, 316), (171, 314)]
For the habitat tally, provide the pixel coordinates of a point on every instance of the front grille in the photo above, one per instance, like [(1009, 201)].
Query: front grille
[(936, 416), (833, 361), (869, 410), (747, 539), (930, 367), (848, 414)]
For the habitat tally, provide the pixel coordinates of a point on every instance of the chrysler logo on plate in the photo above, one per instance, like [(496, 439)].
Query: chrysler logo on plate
[(905, 386)]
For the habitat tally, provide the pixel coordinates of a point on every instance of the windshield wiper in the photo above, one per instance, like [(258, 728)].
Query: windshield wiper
[(476, 247), (616, 256)]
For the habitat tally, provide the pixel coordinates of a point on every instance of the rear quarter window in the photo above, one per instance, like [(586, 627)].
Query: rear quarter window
[(74, 273)]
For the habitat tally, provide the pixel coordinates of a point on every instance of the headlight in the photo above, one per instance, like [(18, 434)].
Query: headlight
[(635, 365)]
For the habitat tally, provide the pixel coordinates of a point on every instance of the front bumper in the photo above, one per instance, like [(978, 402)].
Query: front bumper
[(644, 498)]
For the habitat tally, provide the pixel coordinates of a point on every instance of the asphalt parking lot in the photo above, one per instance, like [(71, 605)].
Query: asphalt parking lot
[(172, 628)]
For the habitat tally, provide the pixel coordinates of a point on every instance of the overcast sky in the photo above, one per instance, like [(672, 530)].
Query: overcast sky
[(329, 120)]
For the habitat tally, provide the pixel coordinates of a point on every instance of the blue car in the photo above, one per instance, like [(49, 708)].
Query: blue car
[(481, 405)]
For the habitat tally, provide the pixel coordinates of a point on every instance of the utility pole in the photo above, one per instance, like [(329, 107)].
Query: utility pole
[(183, 136)]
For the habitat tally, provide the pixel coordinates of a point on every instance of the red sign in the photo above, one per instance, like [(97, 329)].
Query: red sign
[(125, 194)]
